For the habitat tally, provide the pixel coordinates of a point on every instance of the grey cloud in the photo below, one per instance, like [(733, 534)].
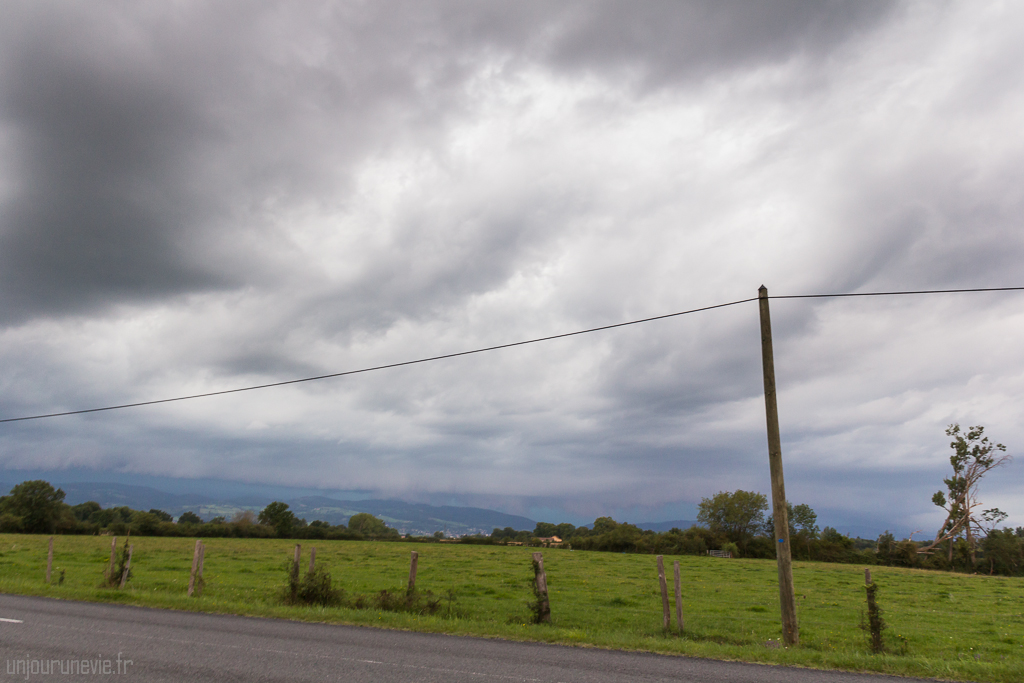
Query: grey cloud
[(670, 41), (101, 212), (145, 142), (186, 206)]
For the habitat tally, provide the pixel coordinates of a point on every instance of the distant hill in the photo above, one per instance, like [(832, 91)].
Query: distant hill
[(667, 526), (407, 518)]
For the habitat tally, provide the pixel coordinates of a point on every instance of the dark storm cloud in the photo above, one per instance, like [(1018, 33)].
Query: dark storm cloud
[(142, 141), (670, 41), (101, 211), (144, 144)]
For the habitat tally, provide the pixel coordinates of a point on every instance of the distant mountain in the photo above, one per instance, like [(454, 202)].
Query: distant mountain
[(667, 526), (136, 497), (407, 518)]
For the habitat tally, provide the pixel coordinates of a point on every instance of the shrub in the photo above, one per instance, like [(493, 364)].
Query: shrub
[(875, 624), (313, 588), (402, 601), (121, 567), (10, 524), (316, 589)]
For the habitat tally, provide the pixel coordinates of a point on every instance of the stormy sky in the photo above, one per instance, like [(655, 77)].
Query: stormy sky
[(203, 196)]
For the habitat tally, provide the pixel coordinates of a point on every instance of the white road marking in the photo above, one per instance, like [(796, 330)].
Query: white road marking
[(11, 621)]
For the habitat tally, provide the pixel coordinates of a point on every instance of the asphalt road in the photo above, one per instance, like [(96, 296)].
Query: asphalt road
[(132, 643)]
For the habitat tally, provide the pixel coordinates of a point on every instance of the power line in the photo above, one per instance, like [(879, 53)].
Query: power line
[(492, 348), (376, 367), (920, 291)]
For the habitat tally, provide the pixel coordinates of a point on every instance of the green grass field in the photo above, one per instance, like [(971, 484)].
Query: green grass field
[(941, 625)]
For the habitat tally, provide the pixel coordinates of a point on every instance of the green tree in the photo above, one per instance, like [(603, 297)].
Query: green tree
[(1004, 551), (191, 518), (278, 516), (37, 503), (161, 515), (545, 530), (118, 515), (564, 530), (145, 523), (738, 515), (604, 525), (367, 525), (83, 511), (802, 520), (885, 549), (973, 457)]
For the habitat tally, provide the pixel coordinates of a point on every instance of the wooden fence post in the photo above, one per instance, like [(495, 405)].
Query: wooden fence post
[(541, 578), (664, 592), (195, 565), (113, 552), (414, 560), (679, 598), (295, 573), (199, 572), (312, 559), (127, 567), (783, 554), (875, 624), (49, 561)]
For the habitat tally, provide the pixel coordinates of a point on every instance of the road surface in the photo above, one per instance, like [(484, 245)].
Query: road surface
[(89, 641)]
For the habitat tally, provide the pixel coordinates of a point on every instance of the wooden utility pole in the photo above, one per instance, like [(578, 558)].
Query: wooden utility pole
[(790, 629)]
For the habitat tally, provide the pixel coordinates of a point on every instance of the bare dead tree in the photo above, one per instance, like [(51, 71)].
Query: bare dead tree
[(973, 457)]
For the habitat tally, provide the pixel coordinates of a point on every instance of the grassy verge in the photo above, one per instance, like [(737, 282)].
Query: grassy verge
[(941, 625)]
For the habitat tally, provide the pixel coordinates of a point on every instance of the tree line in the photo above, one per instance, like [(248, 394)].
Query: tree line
[(737, 522), (36, 507), (734, 521), (968, 540)]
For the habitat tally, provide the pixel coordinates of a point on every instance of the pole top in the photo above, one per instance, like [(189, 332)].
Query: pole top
[(762, 292)]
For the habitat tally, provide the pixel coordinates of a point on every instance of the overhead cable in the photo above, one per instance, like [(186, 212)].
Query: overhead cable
[(489, 348)]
